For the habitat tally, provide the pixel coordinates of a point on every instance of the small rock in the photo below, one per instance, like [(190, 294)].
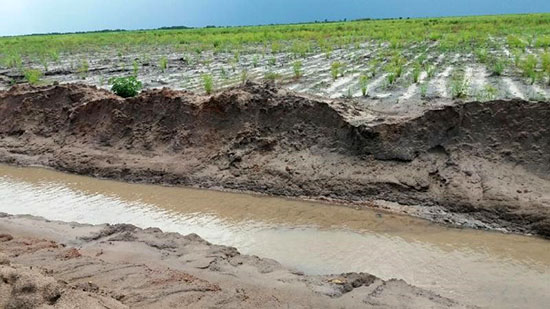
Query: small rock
[(337, 281)]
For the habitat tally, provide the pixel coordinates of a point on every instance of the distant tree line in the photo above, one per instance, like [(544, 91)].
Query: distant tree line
[(208, 26)]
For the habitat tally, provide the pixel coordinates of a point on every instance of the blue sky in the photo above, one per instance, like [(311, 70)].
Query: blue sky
[(41, 16)]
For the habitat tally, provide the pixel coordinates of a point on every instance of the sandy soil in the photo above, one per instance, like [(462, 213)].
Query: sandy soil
[(486, 161), (61, 265)]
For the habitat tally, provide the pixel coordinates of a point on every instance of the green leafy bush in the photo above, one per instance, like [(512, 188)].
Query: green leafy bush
[(126, 87)]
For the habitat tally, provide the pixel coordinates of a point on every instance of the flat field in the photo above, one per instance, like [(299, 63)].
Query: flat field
[(389, 63)]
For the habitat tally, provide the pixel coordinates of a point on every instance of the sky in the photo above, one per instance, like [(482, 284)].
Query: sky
[(43, 16)]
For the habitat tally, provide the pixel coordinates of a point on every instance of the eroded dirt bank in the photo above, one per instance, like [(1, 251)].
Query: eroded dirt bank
[(486, 161), (115, 266)]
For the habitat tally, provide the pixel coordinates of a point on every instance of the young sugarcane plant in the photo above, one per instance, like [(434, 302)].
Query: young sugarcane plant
[(363, 84)]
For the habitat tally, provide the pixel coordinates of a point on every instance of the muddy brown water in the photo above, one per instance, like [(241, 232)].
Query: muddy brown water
[(475, 267)]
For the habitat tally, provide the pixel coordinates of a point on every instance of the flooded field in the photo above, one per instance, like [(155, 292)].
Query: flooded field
[(481, 268), (427, 72), (381, 63)]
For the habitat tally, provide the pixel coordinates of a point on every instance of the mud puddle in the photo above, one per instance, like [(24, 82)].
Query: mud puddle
[(481, 268)]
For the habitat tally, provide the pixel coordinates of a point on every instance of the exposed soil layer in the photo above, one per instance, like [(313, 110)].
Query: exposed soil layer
[(63, 265), (489, 161)]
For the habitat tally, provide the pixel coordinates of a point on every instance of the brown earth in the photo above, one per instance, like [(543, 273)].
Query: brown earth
[(67, 265), (485, 161)]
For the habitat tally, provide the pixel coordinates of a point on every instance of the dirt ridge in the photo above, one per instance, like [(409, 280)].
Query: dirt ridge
[(488, 161)]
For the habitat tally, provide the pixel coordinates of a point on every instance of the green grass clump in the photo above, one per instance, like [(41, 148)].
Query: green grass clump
[(54, 55), (125, 87), (327, 50), (543, 41), (208, 83), (516, 42), (335, 69), (135, 68), (33, 76), (391, 78), (255, 61), (482, 55), (272, 76), (300, 49), (528, 67), (163, 64), (398, 70), (498, 66), (43, 58), (421, 59), (416, 74), (516, 53), (276, 47), (395, 69), (459, 86), (13, 60), (363, 84), (545, 61), (297, 68), (489, 93), (83, 68)]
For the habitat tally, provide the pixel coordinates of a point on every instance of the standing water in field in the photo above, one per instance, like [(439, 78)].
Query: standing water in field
[(474, 267)]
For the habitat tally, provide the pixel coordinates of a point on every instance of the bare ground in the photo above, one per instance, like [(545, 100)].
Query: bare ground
[(487, 162), (62, 265)]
